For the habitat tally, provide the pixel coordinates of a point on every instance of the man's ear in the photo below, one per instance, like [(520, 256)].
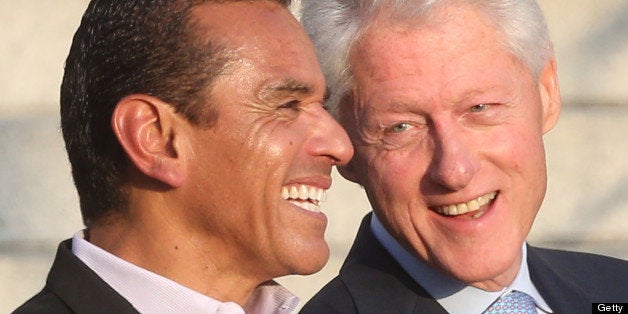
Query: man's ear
[(550, 95), (150, 132)]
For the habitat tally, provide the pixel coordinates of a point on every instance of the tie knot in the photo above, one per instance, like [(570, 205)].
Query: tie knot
[(515, 302)]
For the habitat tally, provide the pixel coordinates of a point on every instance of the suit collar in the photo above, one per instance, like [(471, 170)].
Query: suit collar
[(378, 283), (561, 292), (80, 288), (453, 295)]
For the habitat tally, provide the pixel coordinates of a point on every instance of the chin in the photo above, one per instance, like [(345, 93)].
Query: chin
[(311, 261), (481, 273)]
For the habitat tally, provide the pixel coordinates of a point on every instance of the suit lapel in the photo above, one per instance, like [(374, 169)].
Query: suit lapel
[(80, 288), (378, 283), (559, 291)]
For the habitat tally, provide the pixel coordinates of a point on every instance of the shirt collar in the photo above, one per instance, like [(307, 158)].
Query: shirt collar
[(149, 292), (455, 296)]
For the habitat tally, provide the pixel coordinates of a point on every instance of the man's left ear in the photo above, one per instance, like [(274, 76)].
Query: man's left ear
[(550, 95), (151, 133)]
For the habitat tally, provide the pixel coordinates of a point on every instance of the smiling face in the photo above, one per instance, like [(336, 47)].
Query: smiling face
[(259, 173), (447, 128)]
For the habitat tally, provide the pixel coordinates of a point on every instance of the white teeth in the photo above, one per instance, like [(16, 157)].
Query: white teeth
[(304, 193), (474, 205), (307, 206), (322, 196), (313, 191), (294, 193), (463, 208), (304, 196), (452, 209)]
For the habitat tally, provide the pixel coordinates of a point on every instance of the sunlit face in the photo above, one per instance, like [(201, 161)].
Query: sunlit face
[(259, 173), (447, 128)]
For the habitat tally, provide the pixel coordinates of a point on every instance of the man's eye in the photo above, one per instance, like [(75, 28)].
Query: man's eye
[(400, 127), (479, 107), (293, 104)]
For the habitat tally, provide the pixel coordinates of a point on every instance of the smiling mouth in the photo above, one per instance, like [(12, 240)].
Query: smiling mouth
[(472, 206), (304, 196)]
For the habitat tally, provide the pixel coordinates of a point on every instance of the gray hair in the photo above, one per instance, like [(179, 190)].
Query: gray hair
[(336, 25)]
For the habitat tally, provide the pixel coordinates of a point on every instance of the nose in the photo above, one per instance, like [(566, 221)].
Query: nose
[(453, 165), (331, 140)]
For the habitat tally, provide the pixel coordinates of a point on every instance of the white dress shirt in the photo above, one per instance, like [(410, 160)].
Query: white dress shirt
[(453, 295), (150, 293)]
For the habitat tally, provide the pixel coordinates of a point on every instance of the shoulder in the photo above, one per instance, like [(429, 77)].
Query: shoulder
[(371, 281), (597, 275), (578, 262), (332, 298), (369, 288), (43, 302)]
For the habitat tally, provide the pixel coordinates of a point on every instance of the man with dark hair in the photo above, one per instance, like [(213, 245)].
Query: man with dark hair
[(200, 150)]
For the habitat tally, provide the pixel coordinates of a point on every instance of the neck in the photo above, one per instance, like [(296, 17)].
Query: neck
[(154, 240)]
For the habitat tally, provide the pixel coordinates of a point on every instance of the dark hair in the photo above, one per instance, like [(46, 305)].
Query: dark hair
[(122, 48)]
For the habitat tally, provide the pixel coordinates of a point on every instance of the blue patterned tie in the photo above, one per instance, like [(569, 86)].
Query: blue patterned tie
[(515, 302)]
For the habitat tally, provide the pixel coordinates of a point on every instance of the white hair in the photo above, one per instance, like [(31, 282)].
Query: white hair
[(336, 25)]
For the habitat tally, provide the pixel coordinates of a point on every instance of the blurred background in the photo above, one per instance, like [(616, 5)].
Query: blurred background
[(586, 207)]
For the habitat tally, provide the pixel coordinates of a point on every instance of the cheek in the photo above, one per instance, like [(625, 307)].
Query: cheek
[(395, 174), (526, 153), (519, 162), (267, 144)]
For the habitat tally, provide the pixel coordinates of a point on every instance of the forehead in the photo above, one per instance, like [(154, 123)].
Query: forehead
[(259, 34), (247, 25), (455, 50), (453, 30)]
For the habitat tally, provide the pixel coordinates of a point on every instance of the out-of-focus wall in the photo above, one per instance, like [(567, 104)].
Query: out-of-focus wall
[(591, 42), (586, 207)]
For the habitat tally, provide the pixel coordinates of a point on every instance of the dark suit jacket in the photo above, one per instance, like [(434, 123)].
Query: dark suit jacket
[(72, 287), (371, 281)]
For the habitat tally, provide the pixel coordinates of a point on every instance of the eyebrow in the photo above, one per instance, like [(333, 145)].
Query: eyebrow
[(288, 87)]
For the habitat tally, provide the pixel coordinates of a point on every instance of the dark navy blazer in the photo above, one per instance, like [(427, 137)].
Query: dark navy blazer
[(371, 281), (72, 287)]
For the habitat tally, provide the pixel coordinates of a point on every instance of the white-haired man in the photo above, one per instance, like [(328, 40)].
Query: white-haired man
[(446, 104)]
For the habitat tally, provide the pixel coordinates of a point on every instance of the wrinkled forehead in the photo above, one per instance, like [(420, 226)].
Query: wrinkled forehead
[(455, 30), (448, 60)]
